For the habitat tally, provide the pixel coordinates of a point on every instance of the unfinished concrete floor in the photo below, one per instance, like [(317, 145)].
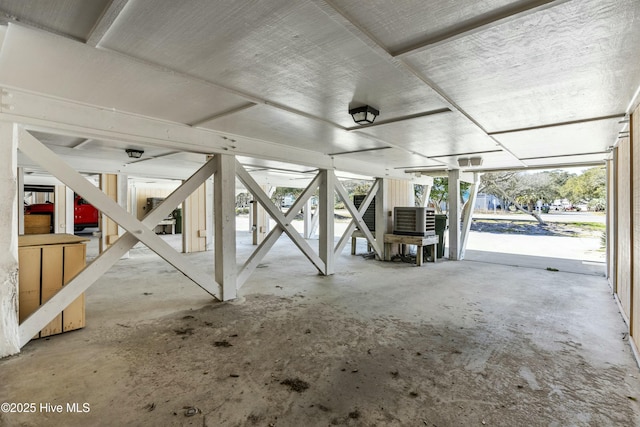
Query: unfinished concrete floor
[(448, 344)]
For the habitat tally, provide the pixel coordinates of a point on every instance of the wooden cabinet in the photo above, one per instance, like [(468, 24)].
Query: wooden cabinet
[(46, 263)]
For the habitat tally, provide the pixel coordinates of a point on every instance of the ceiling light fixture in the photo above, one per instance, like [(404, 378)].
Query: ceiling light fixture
[(476, 161), (464, 162), (364, 115), (134, 154)]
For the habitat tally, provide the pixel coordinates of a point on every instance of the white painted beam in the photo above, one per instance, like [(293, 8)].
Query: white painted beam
[(468, 214), (278, 216), (106, 20), (209, 219), (39, 153), (53, 115), (63, 215), (326, 206), (20, 179), (224, 202), (102, 263), (314, 224), (264, 247), (260, 226), (357, 221), (383, 222), (9, 330), (307, 216), (454, 215)]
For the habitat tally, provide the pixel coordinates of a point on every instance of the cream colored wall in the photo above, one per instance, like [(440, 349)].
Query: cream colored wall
[(625, 226), (108, 227), (635, 224), (194, 221), (143, 192)]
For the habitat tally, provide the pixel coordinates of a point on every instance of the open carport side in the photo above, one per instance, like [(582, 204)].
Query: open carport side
[(451, 343)]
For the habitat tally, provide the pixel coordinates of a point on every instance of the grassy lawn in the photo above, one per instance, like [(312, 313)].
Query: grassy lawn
[(567, 229)]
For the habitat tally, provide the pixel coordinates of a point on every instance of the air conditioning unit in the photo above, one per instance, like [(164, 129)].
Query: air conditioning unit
[(369, 216), (414, 221)]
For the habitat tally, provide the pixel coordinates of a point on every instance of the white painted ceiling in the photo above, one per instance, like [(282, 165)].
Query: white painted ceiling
[(527, 83)]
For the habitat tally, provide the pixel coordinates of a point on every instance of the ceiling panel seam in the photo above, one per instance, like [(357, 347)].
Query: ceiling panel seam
[(545, 166), (105, 22), (564, 155), (476, 25), (339, 16), (466, 154), (222, 114), (8, 18), (551, 125)]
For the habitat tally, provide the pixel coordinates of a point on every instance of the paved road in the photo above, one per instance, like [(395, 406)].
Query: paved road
[(550, 217)]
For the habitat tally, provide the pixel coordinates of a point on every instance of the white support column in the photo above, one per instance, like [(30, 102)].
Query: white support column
[(454, 215), (608, 221), (280, 219), (133, 200), (80, 283), (383, 223), (308, 232), (257, 255), (426, 195), (260, 227), (225, 223), (209, 216), (326, 207), (63, 214), (357, 214), (121, 196), (20, 200), (468, 214), (9, 330)]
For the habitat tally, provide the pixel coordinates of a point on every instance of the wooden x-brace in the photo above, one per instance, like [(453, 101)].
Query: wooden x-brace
[(136, 231)]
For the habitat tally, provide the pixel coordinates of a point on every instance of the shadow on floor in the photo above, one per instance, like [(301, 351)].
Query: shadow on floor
[(544, 263)]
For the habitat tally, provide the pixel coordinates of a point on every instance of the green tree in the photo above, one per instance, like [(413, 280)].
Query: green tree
[(523, 190), (280, 192), (440, 191), (588, 187), (514, 188)]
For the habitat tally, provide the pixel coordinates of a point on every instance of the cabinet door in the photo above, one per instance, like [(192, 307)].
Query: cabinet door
[(74, 261), (29, 262), (52, 259)]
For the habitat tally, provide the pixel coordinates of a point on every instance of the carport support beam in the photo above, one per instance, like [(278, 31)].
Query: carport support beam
[(9, 330), (308, 232), (454, 215), (63, 210), (468, 213), (326, 208), (20, 200), (224, 202)]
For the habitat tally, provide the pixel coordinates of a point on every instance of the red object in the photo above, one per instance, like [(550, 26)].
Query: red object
[(85, 215)]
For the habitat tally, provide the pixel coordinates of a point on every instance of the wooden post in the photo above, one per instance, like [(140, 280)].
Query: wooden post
[(326, 210), (225, 224), (9, 331)]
